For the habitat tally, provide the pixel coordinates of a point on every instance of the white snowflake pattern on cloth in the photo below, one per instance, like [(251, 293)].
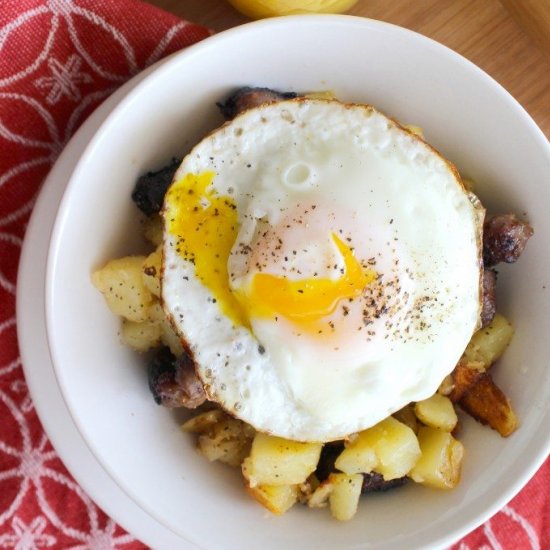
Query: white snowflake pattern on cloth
[(64, 80), (71, 75), (27, 537)]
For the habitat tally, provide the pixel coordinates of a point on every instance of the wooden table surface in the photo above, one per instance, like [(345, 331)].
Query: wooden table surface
[(509, 39)]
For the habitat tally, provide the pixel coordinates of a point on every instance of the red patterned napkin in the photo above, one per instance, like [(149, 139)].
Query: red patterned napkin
[(58, 60)]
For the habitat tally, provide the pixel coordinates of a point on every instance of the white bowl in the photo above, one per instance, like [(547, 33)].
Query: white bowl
[(465, 114)]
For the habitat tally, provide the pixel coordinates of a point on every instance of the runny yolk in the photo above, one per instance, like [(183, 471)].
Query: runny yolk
[(206, 226), (307, 300)]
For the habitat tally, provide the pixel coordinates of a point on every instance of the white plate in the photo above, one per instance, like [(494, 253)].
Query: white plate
[(35, 352), (465, 114)]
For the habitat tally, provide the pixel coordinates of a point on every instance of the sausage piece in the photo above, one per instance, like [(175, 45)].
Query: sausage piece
[(375, 482), (504, 238), (192, 392), (173, 381), (149, 191), (329, 454), (489, 297), (248, 98)]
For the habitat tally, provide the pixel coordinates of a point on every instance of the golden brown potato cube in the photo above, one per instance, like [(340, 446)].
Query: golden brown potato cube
[(277, 461), (489, 343), (222, 437), (152, 229), (394, 444), (230, 451), (140, 336), (437, 412), (345, 494), (407, 416), (397, 448), (464, 376), (441, 461), (487, 403), (234, 437), (358, 457), (122, 286), (276, 498), (204, 422), (319, 497), (306, 489), (151, 272), (232, 428), (446, 387), (168, 337)]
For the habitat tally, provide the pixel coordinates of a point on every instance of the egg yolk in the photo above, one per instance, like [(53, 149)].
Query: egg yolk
[(307, 300), (206, 226)]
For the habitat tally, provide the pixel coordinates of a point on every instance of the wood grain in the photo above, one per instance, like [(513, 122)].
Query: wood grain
[(534, 17), (509, 39)]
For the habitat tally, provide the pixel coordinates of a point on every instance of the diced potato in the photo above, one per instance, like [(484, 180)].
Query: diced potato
[(276, 498), (486, 402), (151, 272), (397, 448), (229, 451), (152, 229), (437, 412), (277, 461), (464, 376), (446, 387), (407, 416), (415, 130), (319, 497), (232, 428), (222, 437), (121, 284), (358, 457), (441, 461), (140, 336), (489, 343), (345, 494), (306, 489), (204, 422), (171, 339), (394, 444), (168, 337)]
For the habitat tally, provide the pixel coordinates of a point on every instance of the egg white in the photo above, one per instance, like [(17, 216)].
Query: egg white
[(399, 204)]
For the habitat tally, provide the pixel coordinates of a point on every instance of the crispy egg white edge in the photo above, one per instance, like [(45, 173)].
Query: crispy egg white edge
[(212, 364)]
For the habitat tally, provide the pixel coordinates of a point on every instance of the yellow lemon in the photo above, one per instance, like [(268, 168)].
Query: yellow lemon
[(270, 8)]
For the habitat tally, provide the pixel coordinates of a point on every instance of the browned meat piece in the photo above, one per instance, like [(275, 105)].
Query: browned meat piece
[(374, 482), (149, 191), (248, 98), (489, 298), (329, 454), (371, 482), (488, 404), (173, 382), (504, 238), (192, 390), (464, 377)]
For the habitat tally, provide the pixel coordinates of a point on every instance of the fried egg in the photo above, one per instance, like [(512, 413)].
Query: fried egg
[(322, 265)]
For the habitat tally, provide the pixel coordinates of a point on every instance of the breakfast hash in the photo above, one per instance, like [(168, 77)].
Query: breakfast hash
[(322, 293)]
